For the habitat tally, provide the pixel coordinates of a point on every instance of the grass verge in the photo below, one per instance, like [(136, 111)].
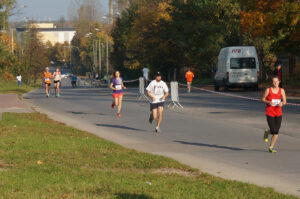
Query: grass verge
[(12, 87), (41, 158)]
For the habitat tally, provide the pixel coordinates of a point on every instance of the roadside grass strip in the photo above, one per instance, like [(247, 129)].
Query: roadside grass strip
[(12, 87), (41, 158)]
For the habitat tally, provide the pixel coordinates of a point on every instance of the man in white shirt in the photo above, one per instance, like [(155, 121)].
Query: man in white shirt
[(145, 73), (158, 91), (19, 79)]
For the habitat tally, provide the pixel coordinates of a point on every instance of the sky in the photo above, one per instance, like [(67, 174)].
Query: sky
[(43, 10)]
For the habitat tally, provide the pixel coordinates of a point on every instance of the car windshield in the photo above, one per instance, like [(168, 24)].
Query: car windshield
[(240, 63)]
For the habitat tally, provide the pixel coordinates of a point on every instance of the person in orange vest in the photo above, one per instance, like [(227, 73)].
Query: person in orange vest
[(189, 75), (47, 81)]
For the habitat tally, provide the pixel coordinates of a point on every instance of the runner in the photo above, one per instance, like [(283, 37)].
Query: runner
[(275, 98), (158, 91), (47, 81), (189, 75), (117, 86), (145, 74), (57, 79)]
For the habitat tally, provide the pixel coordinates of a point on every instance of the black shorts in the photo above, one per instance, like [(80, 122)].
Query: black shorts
[(49, 84), (156, 105), (55, 82), (274, 124)]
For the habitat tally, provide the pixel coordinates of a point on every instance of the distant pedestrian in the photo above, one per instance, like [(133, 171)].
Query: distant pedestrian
[(146, 74), (19, 79), (275, 98), (189, 75), (158, 91), (117, 86), (73, 81), (47, 81), (57, 82), (278, 71)]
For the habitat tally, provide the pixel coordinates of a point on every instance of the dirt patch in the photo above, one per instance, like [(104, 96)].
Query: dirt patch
[(176, 171)]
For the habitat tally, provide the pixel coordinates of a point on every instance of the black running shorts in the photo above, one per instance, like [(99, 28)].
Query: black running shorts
[(156, 105)]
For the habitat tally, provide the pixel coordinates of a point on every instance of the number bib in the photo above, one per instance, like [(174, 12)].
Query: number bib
[(47, 79), (276, 102), (118, 87)]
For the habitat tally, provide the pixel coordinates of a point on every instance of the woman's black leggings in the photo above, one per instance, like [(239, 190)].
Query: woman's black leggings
[(274, 124)]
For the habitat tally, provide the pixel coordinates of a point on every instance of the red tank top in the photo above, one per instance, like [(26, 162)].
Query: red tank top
[(274, 111)]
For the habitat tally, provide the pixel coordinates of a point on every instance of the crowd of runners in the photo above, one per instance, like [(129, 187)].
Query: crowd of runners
[(274, 97)]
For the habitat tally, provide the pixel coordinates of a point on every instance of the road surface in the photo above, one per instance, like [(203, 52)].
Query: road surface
[(214, 133)]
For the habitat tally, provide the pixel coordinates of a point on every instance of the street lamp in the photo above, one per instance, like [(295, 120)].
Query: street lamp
[(107, 55), (71, 53)]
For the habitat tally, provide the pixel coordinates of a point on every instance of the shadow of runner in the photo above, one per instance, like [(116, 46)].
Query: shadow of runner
[(211, 145), (132, 196), (120, 127)]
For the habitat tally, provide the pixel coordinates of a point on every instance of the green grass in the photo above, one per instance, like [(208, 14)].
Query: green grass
[(12, 87), (41, 158)]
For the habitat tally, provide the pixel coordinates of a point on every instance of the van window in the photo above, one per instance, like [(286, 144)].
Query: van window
[(244, 62)]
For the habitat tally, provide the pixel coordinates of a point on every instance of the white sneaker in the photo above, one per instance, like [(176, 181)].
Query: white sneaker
[(157, 130)]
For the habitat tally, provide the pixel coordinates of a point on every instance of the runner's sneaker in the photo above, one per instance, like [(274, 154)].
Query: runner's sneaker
[(271, 150), (157, 130), (118, 114), (151, 118), (266, 134), (47, 95), (58, 95), (113, 105)]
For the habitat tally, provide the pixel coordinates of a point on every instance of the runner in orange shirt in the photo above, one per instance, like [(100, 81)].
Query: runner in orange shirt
[(189, 75), (47, 81)]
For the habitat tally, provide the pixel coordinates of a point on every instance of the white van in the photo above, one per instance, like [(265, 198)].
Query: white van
[(237, 67)]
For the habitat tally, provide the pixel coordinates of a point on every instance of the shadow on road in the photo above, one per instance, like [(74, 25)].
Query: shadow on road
[(211, 145), (120, 127)]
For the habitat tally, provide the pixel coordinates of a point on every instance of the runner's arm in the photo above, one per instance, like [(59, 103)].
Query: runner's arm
[(149, 94), (264, 98), (124, 87), (166, 95), (283, 97), (112, 87)]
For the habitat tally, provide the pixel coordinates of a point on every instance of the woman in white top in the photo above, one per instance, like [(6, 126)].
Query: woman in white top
[(57, 79)]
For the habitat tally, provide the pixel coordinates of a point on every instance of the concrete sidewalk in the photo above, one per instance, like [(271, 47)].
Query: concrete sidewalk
[(11, 103)]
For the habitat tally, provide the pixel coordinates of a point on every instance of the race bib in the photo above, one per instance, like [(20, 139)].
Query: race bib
[(47, 79), (276, 102), (57, 78), (118, 87), (158, 91)]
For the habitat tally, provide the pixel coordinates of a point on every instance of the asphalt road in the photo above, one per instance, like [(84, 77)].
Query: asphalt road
[(217, 134)]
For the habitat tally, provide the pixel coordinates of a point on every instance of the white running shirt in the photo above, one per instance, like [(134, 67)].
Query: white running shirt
[(157, 90)]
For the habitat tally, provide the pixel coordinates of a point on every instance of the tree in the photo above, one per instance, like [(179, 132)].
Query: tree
[(35, 57)]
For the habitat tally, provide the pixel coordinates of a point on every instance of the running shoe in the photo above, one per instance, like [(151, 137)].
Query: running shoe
[(157, 130), (58, 95), (151, 118), (271, 150), (113, 105), (118, 114), (47, 95), (266, 134)]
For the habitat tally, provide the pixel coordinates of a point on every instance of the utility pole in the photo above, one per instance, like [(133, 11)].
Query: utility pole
[(100, 64), (107, 63)]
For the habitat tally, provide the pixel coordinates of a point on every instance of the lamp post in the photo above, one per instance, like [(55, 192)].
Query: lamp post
[(107, 54), (71, 53)]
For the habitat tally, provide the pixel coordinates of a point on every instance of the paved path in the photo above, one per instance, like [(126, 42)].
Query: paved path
[(219, 135), (11, 103)]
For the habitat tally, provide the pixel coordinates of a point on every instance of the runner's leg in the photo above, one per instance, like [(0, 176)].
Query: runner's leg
[(160, 115), (120, 103), (58, 87), (154, 114), (46, 88), (277, 125)]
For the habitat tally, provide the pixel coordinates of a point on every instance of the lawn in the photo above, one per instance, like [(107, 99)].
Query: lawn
[(41, 158), (12, 87)]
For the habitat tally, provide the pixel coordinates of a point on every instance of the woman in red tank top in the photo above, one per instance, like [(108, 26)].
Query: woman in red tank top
[(275, 98)]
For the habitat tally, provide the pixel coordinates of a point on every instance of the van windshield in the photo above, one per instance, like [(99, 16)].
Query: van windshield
[(244, 62)]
